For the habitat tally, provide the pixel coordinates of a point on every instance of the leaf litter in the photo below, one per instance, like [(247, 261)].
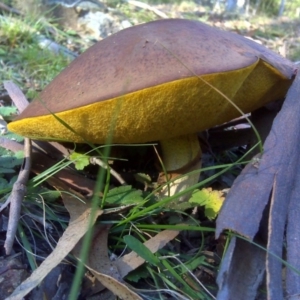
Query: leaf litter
[(79, 224)]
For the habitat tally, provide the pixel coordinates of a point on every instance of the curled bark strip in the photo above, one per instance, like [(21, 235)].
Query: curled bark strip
[(273, 179)]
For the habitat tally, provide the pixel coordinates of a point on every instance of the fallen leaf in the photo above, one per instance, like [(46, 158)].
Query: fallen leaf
[(102, 267), (98, 258), (80, 213), (118, 288), (110, 273)]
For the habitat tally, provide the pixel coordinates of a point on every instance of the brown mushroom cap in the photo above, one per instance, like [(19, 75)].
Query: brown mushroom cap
[(142, 84)]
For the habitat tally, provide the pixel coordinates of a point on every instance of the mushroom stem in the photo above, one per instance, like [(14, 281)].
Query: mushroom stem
[(180, 155)]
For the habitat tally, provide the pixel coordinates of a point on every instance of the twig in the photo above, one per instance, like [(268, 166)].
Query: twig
[(99, 162), (19, 188), (17, 194)]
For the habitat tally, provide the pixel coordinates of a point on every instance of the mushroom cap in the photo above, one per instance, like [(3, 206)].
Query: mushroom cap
[(149, 82)]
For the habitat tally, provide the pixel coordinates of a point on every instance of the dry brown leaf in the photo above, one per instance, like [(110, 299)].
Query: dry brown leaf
[(80, 219), (110, 273), (118, 288), (98, 258), (102, 268)]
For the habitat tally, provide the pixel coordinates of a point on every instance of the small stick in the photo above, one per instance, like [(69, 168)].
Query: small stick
[(17, 194), (19, 188), (99, 162)]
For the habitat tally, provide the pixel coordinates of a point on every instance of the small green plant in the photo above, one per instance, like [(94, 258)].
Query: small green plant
[(9, 161), (211, 200)]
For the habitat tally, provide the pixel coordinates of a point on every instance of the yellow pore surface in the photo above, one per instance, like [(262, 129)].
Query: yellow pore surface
[(164, 111)]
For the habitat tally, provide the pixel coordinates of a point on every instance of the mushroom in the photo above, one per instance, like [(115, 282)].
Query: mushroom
[(153, 82)]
